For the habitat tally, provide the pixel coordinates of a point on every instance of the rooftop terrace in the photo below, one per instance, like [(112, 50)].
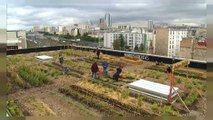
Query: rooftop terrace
[(42, 88)]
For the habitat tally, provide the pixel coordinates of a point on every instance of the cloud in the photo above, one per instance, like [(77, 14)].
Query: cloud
[(27, 14)]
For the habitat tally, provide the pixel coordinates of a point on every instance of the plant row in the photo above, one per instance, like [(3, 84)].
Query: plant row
[(14, 109), (34, 78), (124, 106), (90, 101), (191, 74)]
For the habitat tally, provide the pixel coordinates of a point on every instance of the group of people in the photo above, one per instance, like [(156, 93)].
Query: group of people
[(95, 70)]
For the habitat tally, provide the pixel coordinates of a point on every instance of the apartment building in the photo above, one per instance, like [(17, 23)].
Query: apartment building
[(168, 40), (131, 38)]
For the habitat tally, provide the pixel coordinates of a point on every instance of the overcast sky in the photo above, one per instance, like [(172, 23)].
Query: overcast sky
[(22, 14)]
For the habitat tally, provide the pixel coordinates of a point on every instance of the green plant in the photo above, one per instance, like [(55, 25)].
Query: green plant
[(189, 86), (155, 106), (157, 76), (190, 99), (14, 109), (166, 110), (33, 77), (180, 80), (124, 94), (140, 100), (130, 76)]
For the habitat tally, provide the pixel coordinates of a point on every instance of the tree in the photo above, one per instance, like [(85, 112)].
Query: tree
[(117, 44), (122, 42), (78, 34), (127, 47), (141, 48), (136, 49)]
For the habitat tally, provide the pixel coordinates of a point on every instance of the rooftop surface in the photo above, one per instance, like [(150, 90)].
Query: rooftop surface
[(42, 88)]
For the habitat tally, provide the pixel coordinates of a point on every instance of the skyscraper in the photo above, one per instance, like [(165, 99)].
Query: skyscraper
[(108, 20), (150, 25)]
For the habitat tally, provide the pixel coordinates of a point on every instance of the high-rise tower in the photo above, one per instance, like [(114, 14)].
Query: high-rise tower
[(108, 20)]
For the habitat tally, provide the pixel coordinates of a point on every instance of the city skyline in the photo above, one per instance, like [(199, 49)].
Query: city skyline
[(22, 15)]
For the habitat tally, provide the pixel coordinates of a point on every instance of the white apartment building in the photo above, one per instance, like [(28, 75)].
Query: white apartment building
[(60, 29), (175, 37), (131, 38), (168, 40)]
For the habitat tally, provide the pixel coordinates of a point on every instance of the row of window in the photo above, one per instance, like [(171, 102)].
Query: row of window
[(177, 32)]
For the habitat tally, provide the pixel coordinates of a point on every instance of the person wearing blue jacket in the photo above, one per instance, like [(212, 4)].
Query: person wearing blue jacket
[(105, 66)]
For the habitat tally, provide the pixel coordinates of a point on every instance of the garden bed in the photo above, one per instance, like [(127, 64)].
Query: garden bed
[(26, 74)]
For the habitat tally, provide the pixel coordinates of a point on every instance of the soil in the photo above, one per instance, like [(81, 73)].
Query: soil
[(48, 101)]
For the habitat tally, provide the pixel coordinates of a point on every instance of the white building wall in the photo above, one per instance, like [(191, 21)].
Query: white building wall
[(175, 37), (60, 29), (132, 39)]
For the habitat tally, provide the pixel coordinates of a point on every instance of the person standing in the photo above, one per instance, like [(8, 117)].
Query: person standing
[(119, 70), (98, 53), (94, 69), (105, 66), (116, 76), (61, 59), (169, 69)]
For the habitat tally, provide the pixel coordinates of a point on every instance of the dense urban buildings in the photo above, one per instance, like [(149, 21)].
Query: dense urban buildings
[(191, 49), (159, 38)]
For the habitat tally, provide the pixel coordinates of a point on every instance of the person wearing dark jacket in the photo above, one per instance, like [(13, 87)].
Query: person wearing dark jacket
[(119, 70), (169, 69), (116, 76), (98, 53), (61, 59), (94, 69)]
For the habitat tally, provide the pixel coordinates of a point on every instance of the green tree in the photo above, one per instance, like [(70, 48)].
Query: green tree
[(136, 49), (127, 47), (141, 48), (122, 42), (78, 34), (117, 44)]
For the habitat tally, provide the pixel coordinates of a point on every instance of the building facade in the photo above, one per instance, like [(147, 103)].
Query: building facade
[(150, 25), (131, 39), (60, 29), (108, 20), (16, 40), (168, 40), (175, 37), (199, 51), (161, 43), (102, 24)]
